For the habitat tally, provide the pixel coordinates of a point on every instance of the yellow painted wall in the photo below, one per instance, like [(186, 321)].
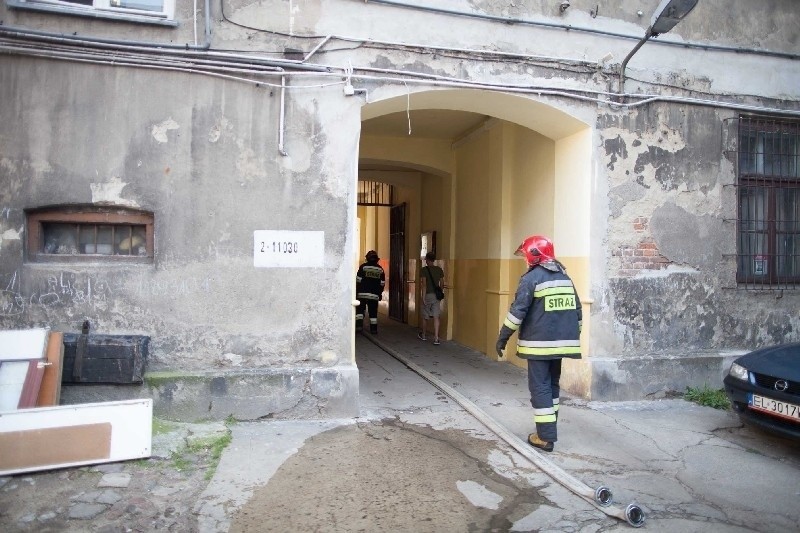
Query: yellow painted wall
[(504, 192), (432, 213), (477, 169), (430, 155), (435, 216), (533, 187), (573, 193)]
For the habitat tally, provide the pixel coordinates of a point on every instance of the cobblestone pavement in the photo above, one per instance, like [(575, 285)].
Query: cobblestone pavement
[(155, 494), (413, 460)]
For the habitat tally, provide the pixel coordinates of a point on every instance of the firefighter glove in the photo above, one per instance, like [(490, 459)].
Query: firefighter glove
[(500, 346)]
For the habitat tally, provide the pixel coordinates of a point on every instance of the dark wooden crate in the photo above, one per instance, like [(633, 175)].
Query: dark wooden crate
[(107, 358)]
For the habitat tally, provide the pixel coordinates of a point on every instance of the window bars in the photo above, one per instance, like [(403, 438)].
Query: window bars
[(768, 203), (75, 233), (375, 193)]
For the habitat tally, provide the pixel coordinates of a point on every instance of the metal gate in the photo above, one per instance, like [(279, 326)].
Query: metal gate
[(397, 263)]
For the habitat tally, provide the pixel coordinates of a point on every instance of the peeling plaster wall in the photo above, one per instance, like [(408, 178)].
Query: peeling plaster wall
[(671, 243), (201, 154)]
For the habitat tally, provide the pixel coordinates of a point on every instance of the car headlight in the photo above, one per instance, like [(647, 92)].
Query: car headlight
[(739, 372)]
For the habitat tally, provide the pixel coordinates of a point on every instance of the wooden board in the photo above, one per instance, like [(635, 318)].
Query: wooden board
[(50, 391), (33, 381), (19, 344), (26, 449), (18, 349), (78, 427)]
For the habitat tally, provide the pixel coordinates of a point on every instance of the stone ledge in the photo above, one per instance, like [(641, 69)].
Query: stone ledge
[(657, 376), (250, 394)]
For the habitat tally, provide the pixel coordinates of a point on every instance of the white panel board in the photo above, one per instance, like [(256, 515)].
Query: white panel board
[(131, 427), (12, 379), (288, 249), (19, 344)]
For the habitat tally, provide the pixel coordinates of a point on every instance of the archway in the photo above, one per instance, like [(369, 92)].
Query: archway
[(483, 170)]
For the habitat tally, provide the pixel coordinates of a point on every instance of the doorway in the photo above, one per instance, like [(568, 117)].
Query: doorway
[(397, 261)]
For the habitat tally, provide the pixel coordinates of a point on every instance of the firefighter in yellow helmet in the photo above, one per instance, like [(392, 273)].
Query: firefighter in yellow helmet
[(547, 316)]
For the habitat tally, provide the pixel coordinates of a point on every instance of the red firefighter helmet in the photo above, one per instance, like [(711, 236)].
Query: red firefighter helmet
[(536, 249)]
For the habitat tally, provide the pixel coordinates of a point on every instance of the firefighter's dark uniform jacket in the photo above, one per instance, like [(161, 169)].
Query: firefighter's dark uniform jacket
[(370, 280), (546, 313)]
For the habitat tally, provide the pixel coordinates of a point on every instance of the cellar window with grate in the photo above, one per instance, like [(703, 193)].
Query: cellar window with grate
[(89, 233)]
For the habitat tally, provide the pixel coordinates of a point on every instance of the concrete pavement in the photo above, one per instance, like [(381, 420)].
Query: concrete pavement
[(414, 460)]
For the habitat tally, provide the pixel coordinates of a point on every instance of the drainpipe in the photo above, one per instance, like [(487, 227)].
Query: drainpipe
[(282, 116), (207, 8)]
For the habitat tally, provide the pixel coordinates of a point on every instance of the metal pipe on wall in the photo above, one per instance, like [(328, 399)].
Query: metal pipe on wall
[(282, 117)]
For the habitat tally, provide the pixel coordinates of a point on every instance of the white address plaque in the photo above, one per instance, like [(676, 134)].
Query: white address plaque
[(288, 249)]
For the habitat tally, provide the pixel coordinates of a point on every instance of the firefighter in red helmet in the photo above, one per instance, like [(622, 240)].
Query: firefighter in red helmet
[(547, 315)]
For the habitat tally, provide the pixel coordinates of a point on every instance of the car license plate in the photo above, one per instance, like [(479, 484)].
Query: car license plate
[(775, 407)]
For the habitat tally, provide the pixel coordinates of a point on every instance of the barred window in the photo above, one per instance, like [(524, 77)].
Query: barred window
[(89, 233), (160, 12), (769, 202)]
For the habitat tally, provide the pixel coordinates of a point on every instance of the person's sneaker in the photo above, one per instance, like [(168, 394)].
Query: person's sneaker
[(421, 336), (536, 442), (436, 341)]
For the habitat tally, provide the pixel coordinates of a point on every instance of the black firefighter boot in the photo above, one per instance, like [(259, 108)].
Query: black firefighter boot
[(373, 328)]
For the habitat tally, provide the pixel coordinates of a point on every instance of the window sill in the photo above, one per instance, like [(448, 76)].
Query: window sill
[(48, 266), (90, 13), (103, 260)]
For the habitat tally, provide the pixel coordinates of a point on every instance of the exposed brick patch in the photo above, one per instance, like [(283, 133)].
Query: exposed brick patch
[(640, 224), (642, 256)]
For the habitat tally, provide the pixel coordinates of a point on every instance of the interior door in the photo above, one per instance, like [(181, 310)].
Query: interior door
[(397, 262)]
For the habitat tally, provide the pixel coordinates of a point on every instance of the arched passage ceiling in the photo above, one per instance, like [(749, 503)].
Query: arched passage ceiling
[(448, 114)]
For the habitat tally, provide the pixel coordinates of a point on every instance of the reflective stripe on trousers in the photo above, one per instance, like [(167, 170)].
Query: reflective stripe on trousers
[(371, 307), (543, 384)]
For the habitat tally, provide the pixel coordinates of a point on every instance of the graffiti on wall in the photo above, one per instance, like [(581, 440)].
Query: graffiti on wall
[(171, 288), (62, 289), (66, 289)]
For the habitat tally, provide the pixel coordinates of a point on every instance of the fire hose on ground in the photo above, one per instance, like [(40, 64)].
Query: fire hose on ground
[(601, 497)]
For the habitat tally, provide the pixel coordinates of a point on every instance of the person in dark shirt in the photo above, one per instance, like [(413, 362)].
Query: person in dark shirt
[(370, 280)]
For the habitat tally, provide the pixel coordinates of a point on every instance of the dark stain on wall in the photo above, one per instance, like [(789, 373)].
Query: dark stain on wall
[(668, 166), (615, 148)]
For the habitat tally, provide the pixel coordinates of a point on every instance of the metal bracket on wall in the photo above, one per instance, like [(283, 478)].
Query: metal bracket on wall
[(80, 351)]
